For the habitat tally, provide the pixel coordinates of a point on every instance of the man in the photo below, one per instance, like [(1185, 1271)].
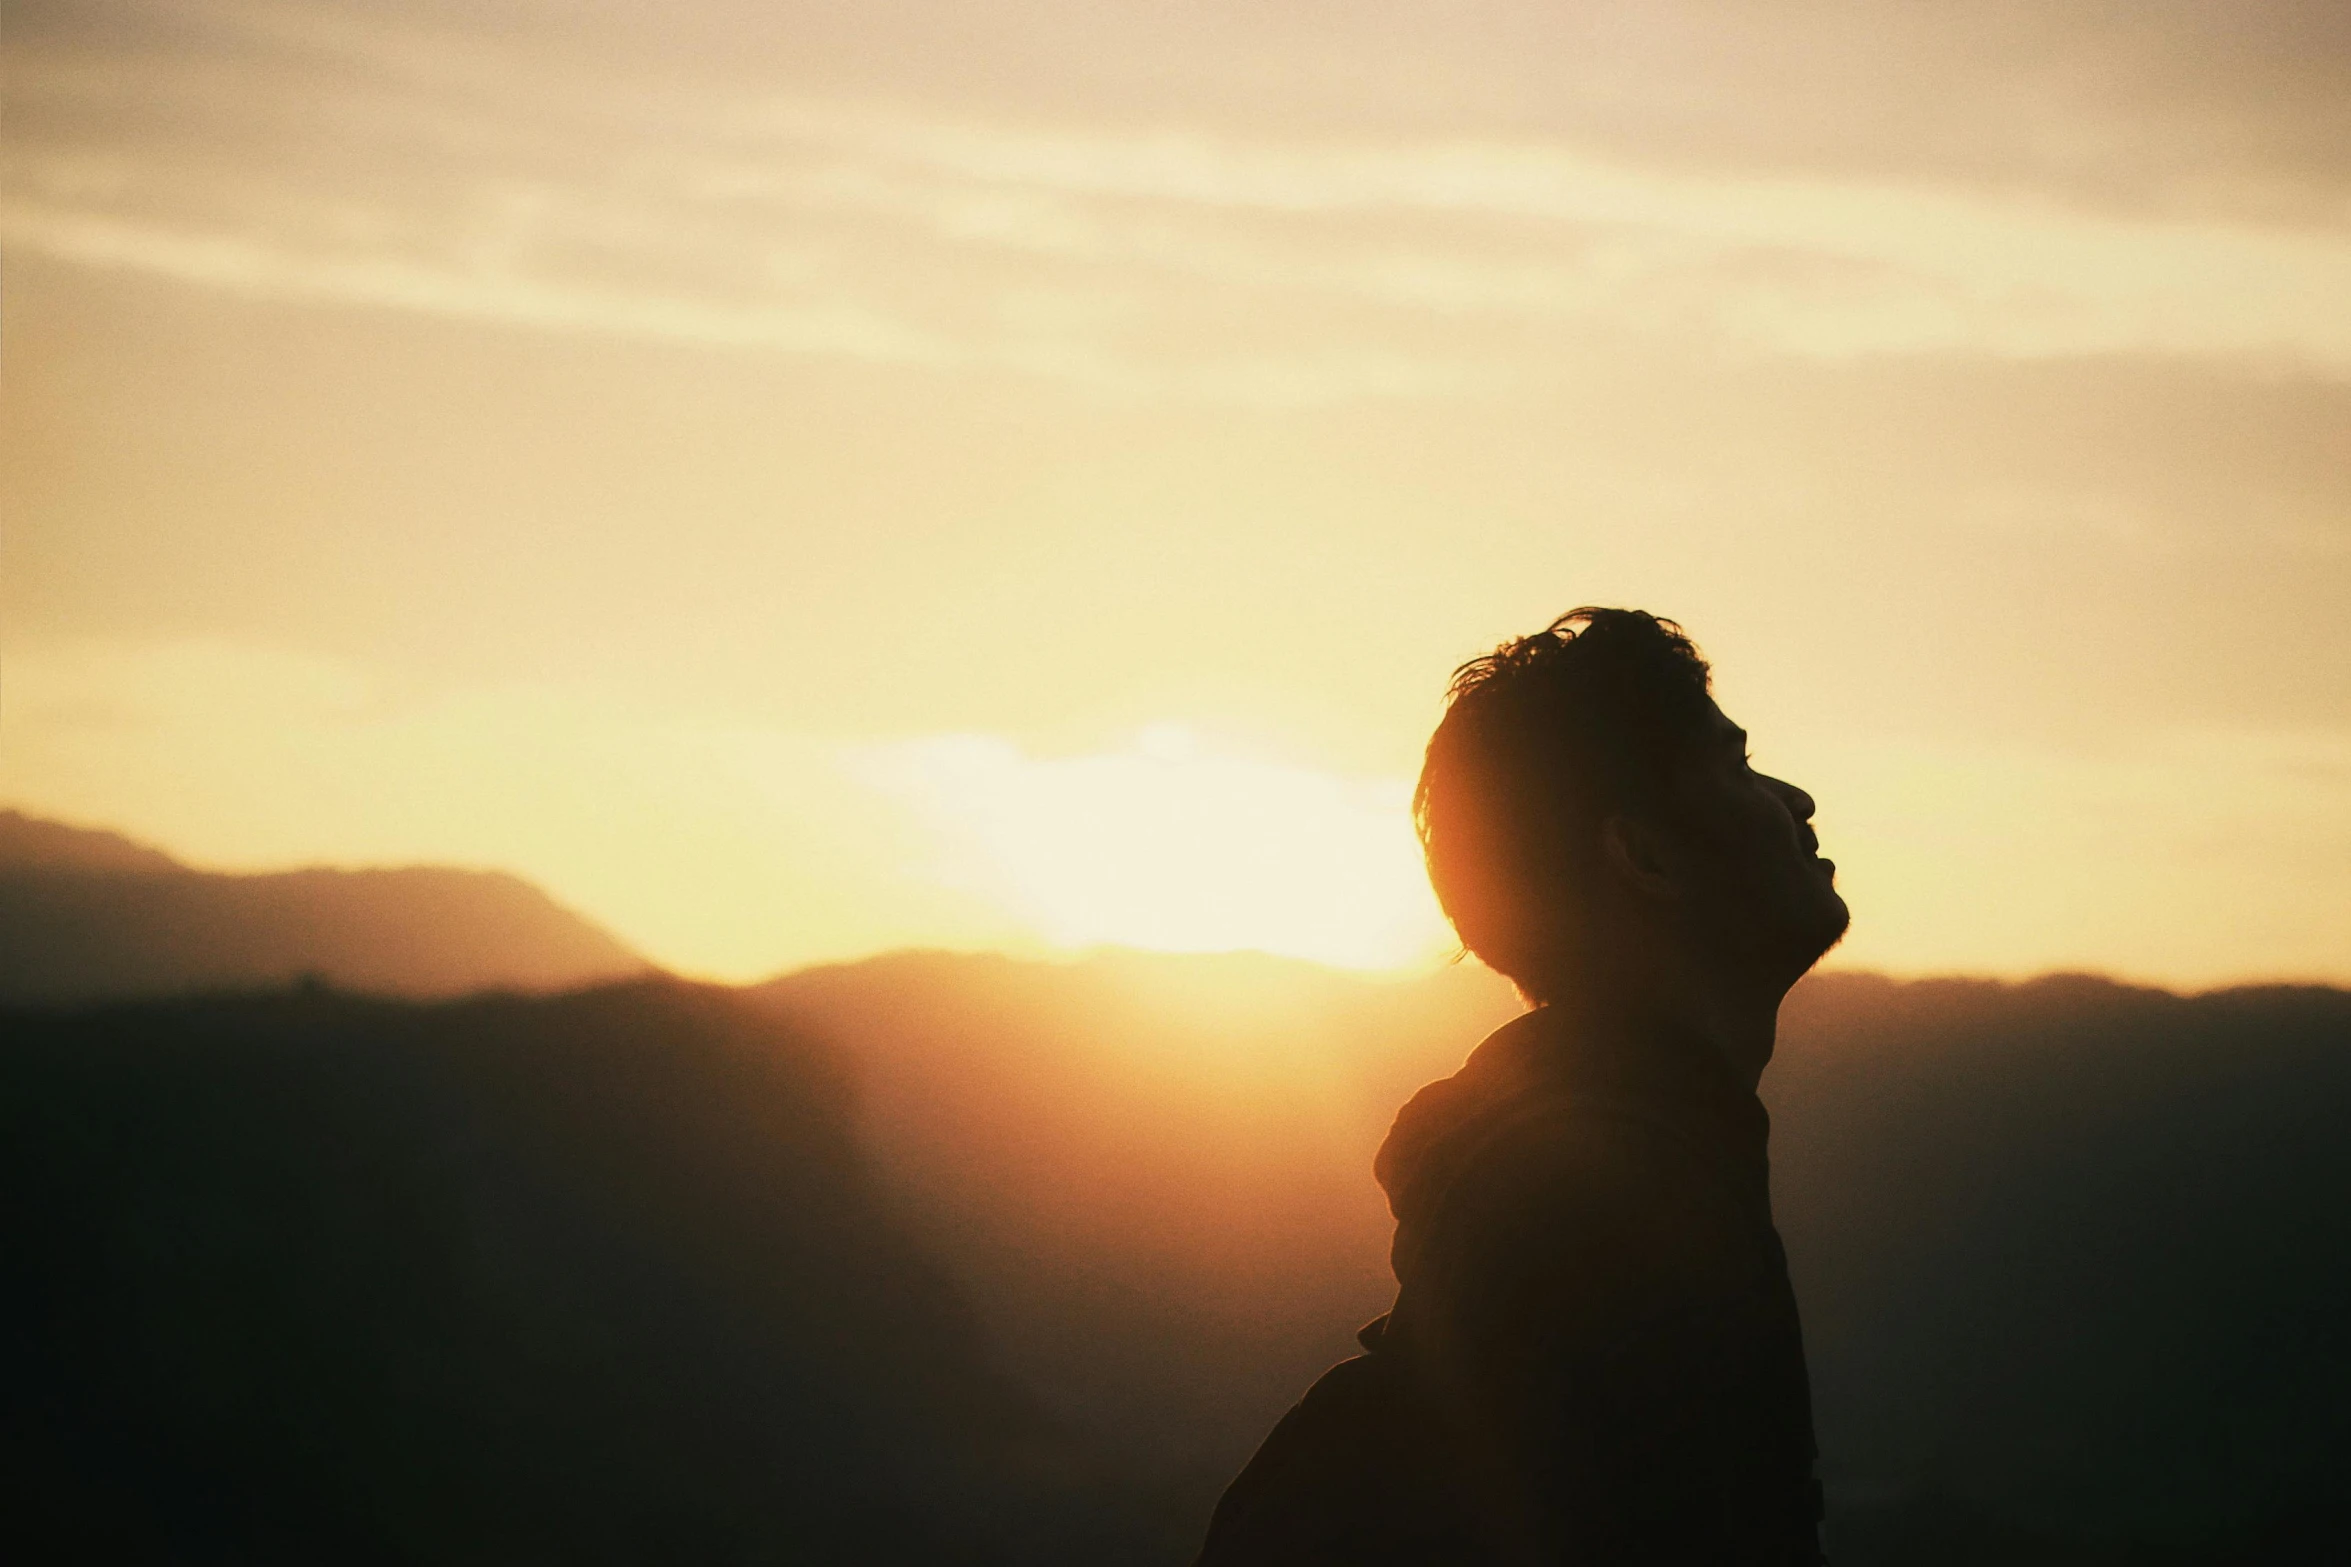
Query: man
[(1594, 1356)]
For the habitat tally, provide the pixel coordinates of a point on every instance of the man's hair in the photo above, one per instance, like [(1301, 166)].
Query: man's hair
[(1542, 740)]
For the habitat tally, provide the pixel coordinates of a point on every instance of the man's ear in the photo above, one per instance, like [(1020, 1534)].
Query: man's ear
[(1636, 852)]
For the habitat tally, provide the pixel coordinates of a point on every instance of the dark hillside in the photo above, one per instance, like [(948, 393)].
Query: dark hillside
[(594, 1279), (1152, 1174), (606, 1277), (2076, 1264)]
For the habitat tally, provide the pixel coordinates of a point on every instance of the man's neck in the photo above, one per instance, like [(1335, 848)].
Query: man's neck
[(1655, 994)]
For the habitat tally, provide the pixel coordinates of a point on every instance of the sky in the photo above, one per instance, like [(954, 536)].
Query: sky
[(801, 480)]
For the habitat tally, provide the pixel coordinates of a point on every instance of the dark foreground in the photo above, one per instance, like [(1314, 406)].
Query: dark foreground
[(956, 1260)]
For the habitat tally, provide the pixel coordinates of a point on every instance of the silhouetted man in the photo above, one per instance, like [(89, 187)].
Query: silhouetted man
[(1594, 1355)]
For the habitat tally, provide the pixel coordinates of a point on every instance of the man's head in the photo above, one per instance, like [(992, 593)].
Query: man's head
[(1584, 796)]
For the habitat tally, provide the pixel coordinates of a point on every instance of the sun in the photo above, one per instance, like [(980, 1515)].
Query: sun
[(1172, 845)]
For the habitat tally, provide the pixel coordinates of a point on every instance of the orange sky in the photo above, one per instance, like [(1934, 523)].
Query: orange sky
[(798, 480)]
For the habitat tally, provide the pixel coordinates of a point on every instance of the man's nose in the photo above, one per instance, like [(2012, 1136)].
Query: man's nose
[(1800, 804)]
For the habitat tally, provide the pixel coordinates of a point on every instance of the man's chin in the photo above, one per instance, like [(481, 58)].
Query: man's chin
[(1822, 933)]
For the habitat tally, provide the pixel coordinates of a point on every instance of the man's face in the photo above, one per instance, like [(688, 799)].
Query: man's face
[(1758, 883)]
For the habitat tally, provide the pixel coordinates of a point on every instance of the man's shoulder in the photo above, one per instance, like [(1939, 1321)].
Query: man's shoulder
[(1614, 1183), (1583, 1139)]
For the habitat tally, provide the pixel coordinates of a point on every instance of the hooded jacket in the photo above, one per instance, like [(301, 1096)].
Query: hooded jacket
[(1594, 1355)]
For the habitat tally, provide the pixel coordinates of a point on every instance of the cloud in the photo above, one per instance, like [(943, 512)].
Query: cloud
[(415, 165), (1801, 264), (246, 265)]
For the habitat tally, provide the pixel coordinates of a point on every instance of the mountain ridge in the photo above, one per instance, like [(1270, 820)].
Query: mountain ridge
[(36, 843), (89, 915)]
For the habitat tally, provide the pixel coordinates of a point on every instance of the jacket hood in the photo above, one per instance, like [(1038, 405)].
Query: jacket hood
[(1439, 1125), (1546, 1053)]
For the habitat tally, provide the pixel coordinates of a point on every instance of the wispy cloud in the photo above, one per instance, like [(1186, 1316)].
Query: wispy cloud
[(307, 158), (250, 265), (1801, 265)]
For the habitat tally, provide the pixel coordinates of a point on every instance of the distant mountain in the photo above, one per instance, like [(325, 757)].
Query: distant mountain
[(87, 915), (2075, 1261), (28, 843), (594, 1279)]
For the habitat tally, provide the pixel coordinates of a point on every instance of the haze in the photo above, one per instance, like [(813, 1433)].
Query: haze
[(797, 481)]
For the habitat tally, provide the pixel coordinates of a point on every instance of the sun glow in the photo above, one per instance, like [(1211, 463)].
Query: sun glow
[(1172, 846)]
